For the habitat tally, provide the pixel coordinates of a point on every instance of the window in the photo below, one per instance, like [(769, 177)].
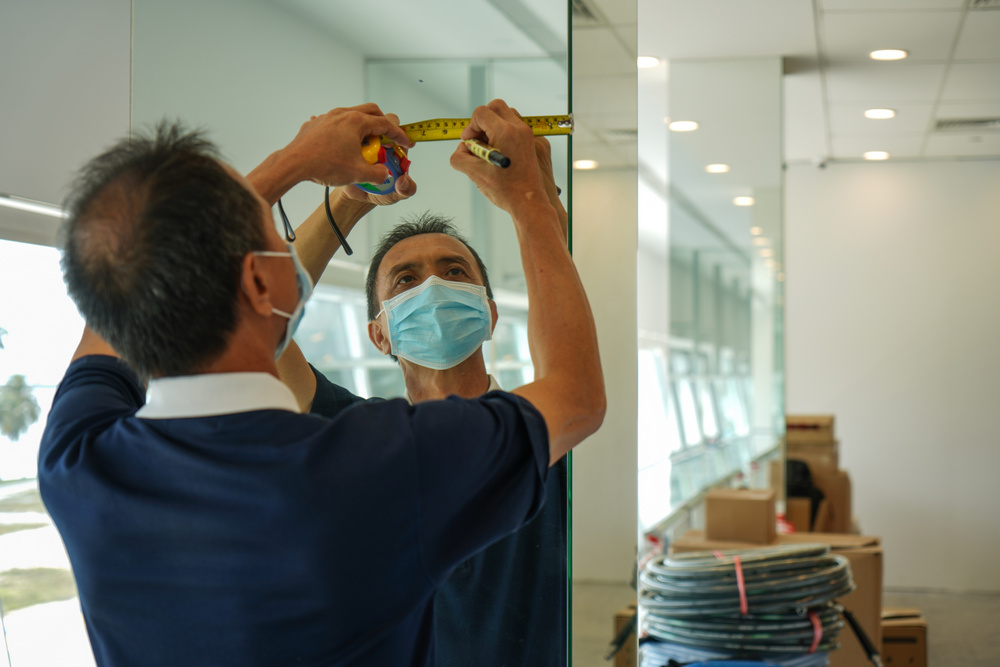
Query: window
[(37, 592)]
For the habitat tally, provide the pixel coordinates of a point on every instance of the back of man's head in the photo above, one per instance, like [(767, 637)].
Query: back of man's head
[(425, 223), (153, 246)]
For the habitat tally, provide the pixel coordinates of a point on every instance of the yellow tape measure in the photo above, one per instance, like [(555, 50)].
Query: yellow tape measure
[(441, 129)]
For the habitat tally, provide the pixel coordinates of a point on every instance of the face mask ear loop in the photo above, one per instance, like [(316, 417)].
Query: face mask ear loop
[(336, 230), (289, 232)]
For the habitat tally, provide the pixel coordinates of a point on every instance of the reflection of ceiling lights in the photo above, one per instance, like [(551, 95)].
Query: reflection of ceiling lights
[(743, 201), (880, 114), (683, 125), (584, 164), (645, 62), (770, 263), (31, 206), (717, 168), (888, 54), (876, 155), (756, 231), (781, 277), (766, 252), (760, 240)]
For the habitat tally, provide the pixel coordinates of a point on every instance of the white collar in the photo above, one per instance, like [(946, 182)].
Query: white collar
[(494, 386), (215, 394)]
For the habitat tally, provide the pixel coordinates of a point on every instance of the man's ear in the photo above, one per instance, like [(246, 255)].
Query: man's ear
[(378, 337), (256, 284), (494, 316)]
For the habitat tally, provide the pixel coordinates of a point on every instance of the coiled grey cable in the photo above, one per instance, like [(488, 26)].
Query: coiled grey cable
[(695, 600)]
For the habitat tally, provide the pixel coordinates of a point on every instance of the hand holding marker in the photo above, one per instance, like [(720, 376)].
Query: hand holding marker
[(441, 129)]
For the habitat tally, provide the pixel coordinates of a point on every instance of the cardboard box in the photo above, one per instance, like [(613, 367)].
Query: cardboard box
[(836, 487), (904, 638), (834, 514), (798, 512), (865, 602), (743, 515), (815, 453), (809, 428), (626, 657)]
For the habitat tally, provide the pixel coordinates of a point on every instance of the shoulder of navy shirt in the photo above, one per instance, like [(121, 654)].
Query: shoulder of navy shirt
[(266, 537), (506, 605)]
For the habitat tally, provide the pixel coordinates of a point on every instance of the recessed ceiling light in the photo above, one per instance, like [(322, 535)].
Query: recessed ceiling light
[(766, 252), (644, 62), (717, 168), (31, 206), (888, 54), (683, 125), (756, 231), (743, 201), (781, 277), (880, 114), (876, 155), (760, 240), (584, 164)]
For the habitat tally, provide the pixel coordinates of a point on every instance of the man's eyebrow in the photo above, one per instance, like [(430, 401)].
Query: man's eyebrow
[(399, 268), (454, 259)]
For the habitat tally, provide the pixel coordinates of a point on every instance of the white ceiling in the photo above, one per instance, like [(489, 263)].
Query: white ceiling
[(952, 72)]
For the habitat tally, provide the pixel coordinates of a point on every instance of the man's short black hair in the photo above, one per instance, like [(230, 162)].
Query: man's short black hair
[(425, 223), (153, 245)]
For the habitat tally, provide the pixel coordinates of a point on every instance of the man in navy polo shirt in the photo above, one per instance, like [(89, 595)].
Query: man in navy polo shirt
[(507, 604), (210, 523)]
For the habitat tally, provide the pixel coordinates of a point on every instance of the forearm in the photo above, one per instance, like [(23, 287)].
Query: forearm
[(561, 332), (275, 176), (315, 242)]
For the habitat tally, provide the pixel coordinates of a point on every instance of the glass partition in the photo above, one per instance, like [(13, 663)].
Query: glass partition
[(250, 72), (251, 88), (710, 163)]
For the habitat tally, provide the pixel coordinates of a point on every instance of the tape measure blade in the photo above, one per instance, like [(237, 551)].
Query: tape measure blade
[(444, 129)]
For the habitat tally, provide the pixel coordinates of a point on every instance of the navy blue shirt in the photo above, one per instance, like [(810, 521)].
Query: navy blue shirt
[(272, 538), (506, 605)]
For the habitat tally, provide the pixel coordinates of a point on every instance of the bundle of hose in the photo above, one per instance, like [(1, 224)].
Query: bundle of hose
[(762, 602)]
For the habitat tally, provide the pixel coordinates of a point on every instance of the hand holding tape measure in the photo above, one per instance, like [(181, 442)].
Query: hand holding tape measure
[(383, 151)]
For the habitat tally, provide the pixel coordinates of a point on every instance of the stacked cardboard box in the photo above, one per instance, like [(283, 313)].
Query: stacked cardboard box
[(904, 638), (626, 656), (811, 439), (741, 515)]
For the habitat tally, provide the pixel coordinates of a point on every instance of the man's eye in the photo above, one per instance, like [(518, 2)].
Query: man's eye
[(455, 271), (403, 280)]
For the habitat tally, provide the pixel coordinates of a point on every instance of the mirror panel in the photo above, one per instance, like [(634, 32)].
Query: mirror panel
[(712, 399)]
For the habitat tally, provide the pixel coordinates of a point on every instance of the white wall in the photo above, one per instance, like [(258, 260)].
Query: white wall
[(64, 95), (893, 323), (604, 466), (204, 62)]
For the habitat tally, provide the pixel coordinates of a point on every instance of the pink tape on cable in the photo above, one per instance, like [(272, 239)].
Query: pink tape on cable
[(740, 585), (817, 631)]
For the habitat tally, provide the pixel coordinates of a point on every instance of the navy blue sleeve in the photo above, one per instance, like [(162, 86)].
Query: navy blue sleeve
[(330, 399), (96, 391), (482, 466)]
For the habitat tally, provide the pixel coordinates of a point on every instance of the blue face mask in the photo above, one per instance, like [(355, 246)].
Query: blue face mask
[(305, 290), (438, 324)]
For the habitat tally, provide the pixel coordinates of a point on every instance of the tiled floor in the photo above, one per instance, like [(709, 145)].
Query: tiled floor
[(594, 608), (961, 628)]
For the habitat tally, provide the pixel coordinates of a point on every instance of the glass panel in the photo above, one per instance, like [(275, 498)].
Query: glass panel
[(723, 266), (313, 56), (39, 329)]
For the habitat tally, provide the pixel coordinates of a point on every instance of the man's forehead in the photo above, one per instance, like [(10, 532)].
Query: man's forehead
[(426, 249)]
